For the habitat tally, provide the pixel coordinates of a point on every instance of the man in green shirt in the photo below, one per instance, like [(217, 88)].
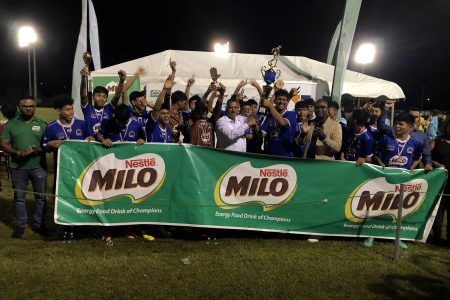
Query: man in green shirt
[(22, 138)]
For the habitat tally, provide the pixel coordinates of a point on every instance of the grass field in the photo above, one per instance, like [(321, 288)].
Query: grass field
[(45, 113), (237, 265)]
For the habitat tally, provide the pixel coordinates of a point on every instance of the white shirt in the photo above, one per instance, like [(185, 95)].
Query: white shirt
[(231, 133)]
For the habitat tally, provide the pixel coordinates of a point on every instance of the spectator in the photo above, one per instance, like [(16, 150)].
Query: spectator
[(333, 108), (231, 128), (304, 128), (9, 111), (440, 151), (326, 139), (433, 125), (311, 103), (22, 138)]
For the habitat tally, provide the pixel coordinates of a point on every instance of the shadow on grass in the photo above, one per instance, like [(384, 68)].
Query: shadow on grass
[(405, 287), (428, 262)]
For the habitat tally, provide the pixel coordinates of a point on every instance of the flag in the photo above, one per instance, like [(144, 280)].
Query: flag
[(78, 62), (345, 44), (333, 43), (93, 37)]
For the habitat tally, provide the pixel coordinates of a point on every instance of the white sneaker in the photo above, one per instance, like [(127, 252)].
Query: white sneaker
[(314, 238)]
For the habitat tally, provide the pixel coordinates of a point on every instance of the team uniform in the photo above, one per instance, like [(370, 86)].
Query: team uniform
[(280, 139), (95, 117), (76, 130), (361, 145), (156, 134), (131, 133), (400, 154), (141, 119)]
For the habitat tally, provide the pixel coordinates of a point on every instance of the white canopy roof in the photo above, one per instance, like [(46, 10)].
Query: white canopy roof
[(236, 66)]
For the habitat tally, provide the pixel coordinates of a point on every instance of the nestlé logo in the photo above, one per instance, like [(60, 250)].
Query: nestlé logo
[(108, 178), (243, 184), (377, 197)]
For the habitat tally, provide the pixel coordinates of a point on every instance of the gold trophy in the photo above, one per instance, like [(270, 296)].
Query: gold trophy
[(271, 74), (87, 58), (214, 76)]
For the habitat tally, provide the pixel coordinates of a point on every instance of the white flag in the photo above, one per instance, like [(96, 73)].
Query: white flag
[(93, 37), (78, 62)]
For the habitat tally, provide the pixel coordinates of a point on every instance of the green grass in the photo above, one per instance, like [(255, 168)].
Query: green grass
[(46, 114), (241, 265)]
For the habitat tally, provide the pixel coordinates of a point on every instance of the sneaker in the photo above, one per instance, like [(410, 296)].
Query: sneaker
[(18, 233), (314, 239), (402, 245), (368, 242)]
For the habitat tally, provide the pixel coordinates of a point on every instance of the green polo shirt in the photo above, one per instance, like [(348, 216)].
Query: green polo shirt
[(23, 135)]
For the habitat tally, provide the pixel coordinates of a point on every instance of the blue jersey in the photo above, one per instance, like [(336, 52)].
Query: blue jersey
[(131, 133), (280, 139), (76, 130), (360, 145), (156, 134), (140, 118), (94, 117), (400, 154)]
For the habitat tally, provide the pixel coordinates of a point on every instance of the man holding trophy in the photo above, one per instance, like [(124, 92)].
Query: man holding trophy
[(95, 114), (279, 128)]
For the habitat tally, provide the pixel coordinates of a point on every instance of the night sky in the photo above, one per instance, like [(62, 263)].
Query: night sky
[(412, 37)]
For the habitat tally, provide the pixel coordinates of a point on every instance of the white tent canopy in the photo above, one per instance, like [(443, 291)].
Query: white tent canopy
[(234, 67)]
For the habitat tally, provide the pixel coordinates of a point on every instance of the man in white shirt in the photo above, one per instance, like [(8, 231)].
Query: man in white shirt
[(230, 129)]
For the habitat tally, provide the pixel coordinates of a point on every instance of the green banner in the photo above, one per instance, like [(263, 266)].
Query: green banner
[(196, 186), (111, 82)]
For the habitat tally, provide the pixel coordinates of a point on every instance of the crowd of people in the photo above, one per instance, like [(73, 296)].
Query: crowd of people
[(312, 131)]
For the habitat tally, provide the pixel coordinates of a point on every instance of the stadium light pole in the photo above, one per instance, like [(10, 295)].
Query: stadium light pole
[(365, 55), (27, 38)]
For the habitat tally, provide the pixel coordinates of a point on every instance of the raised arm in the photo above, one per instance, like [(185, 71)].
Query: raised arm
[(190, 83), (211, 100), (275, 114), (115, 99), (139, 72), (211, 88), (217, 108), (168, 84), (83, 86), (257, 86), (173, 67), (240, 85)]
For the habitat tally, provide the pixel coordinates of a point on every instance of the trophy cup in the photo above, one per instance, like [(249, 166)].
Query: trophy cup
[(87, 58), (214, 76), (271, 74)]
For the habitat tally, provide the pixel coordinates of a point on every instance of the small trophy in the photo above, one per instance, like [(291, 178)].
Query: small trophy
[(214, 76), (270, 75), (87, 58)]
